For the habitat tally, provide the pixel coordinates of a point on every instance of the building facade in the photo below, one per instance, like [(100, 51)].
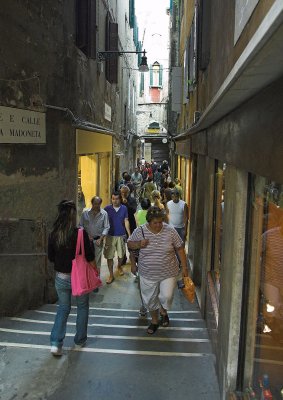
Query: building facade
[(229, 149), (67, 115), (152, 108)]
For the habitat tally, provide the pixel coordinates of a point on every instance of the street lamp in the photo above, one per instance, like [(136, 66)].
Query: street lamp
[(104, 55)]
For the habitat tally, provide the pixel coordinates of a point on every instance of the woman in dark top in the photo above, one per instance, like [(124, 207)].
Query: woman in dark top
[(61, 251)]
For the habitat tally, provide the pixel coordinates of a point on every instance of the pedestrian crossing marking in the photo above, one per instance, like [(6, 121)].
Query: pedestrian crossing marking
[(157, 339), (131, 310), (120, 316), (170, 328), (109, 351)]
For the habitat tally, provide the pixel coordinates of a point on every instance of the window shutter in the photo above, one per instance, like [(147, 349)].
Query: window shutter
[(160, 75), (150, 76), (204, 34), (92, 28), (86, 27), (112, 44), (141, 83), (82, 28), (132, 13)]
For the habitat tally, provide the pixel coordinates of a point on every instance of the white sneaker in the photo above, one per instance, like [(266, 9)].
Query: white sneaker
[(56, 351), (79, 346)]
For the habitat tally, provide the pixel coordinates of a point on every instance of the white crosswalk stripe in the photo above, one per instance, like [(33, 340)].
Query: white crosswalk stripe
[(111, 332)]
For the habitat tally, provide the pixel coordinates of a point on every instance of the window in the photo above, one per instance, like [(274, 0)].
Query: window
[(156, 72), (86, 27)]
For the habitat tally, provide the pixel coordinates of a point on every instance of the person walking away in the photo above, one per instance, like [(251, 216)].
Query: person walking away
[(140, 215), (179, 187), (158, 266), (156, 197), (119, 226), (137, 182), (62, 243), (177, 211), (148, 187), (95, 221), (157, 178)]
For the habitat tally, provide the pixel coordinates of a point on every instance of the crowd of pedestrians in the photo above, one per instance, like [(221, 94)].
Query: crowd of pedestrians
[(146, 214)]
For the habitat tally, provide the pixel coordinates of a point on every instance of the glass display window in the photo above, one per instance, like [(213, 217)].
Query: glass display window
[(266, 285)]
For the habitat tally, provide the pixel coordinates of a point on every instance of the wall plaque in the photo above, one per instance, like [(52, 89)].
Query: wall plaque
[(22, 126)]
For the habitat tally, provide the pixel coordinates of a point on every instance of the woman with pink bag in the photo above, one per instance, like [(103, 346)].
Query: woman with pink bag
[(61, 251)]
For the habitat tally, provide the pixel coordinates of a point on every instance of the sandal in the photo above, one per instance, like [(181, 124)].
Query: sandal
[(110, 280), (152, 328), (164, 320)]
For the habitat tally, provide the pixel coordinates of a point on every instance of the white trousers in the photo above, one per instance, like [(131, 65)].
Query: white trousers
[(157, 293)]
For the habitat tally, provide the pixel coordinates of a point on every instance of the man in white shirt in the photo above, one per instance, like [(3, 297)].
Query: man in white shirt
[(95, 221), (177, 211)]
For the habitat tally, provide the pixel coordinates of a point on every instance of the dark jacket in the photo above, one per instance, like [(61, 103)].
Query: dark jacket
[(62, 256), (132, 208)]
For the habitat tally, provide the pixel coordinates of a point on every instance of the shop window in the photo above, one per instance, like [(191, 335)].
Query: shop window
[(218, 214), (86, 27), (268, 278)]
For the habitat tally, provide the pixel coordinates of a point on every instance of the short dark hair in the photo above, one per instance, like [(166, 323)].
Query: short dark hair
[(116, 193), (145, 203), (154, 212), (127, 177), (96, 197)]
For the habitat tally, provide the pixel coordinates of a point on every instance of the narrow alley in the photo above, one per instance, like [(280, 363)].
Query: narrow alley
[(121, 114), (120, 361)]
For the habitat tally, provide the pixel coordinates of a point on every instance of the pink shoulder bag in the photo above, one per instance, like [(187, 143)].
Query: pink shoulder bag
[(84, 277)]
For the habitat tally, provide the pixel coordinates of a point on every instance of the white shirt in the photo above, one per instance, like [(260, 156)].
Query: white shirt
[(176, 213)]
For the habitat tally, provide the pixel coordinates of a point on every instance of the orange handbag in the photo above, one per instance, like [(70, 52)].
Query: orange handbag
[(189, 289)]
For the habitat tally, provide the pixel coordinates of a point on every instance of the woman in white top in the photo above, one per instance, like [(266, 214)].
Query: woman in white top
[(158, 265)]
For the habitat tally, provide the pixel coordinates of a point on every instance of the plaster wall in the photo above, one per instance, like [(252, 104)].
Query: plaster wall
[(231, 277), (41, 65), (223, 52)]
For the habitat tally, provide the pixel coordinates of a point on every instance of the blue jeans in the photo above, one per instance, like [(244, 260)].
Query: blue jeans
[(64, 291), (181, 233)]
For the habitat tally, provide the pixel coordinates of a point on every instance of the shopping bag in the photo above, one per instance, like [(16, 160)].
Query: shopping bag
[(84, 277), (189, 289)]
